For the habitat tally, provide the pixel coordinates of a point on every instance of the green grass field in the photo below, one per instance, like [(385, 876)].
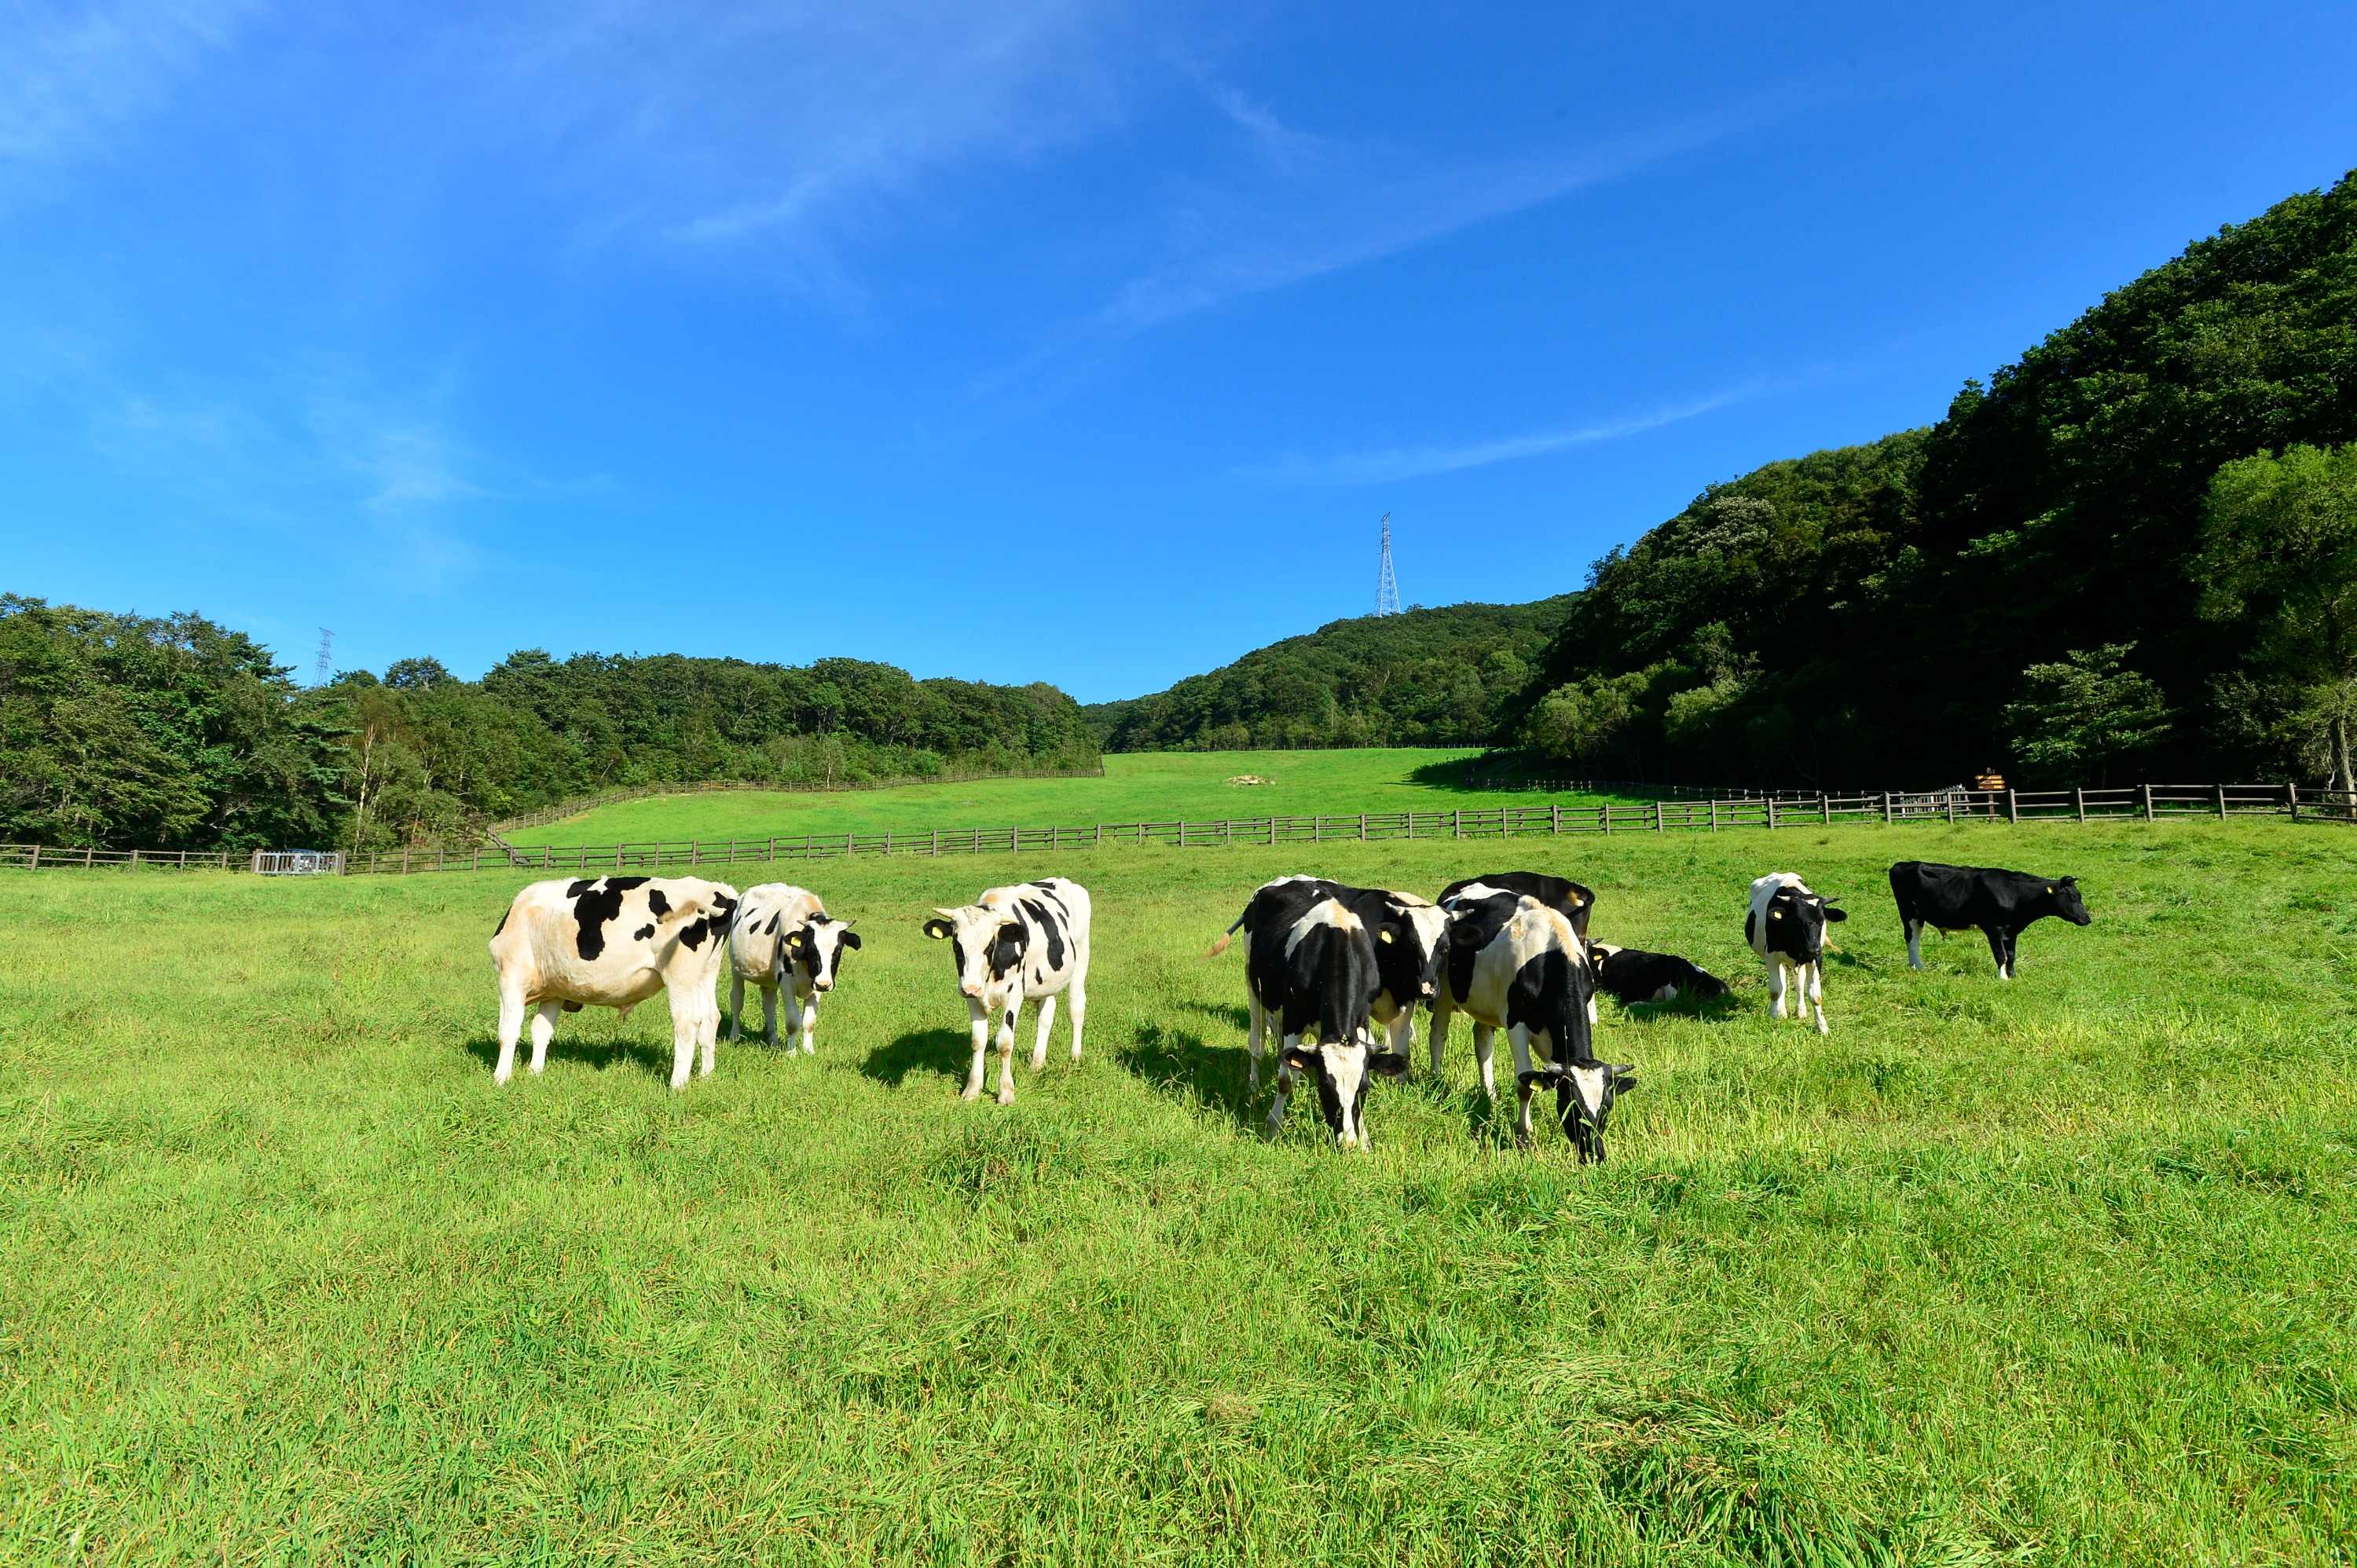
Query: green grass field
[(1156, 787), (2054, 1272)]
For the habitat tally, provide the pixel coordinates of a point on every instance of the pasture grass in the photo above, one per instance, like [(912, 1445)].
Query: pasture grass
[(1156, 787), (2051, 1271)]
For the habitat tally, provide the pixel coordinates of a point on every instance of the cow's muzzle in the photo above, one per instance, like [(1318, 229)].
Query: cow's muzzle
[(971, 989)]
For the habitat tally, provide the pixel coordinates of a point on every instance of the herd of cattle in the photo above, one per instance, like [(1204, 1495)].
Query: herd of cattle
[(1330, 965)]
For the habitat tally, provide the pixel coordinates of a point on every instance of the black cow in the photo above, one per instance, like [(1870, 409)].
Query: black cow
[(2001, 903), (1315, 970), (1629, 976), (1408, 933), (1559, 893), (1786, 924)]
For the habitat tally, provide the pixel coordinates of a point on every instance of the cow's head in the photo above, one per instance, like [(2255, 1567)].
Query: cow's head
[(2064, 896), (816, 948), (989, 946), (1417, 938), (1584, 1094), (1797, 919), (1341, 1070)]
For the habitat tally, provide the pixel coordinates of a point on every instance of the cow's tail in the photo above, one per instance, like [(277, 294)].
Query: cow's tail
[(1216, 948)]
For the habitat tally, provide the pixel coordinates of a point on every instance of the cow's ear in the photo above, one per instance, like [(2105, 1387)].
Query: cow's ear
[(1391, 1064), (851, 938), (794, 938), (1623, 1076), (1834, 914), (2070, 882), (1299, 1059), (1538, 1076), (937, 929)]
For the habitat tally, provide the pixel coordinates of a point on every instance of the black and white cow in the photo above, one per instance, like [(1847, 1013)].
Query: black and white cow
[(783, 937), (1408, 933), (1786, 924), (1016, 945), (613, 941), (1522, 969), (1629, 976), (1478, 906), (2003, 904), (1311, 964)]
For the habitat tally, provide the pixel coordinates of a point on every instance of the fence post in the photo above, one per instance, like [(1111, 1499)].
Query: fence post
[(1657, 816), (2147, 802), (1604, 814), (2221, 802), (2079, 802), (1714, 813), (36, 850), (2012, 808), (1456, 825), (1886, 808), (1771, 812), (1952, 807), (1825, 808), (2291, 797), (1362, 824), (1554, 817)]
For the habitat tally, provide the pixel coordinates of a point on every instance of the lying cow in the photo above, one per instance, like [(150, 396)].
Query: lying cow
[(2003, 904), (1015, 945), (1629, 976), (612, 941), (1315, 970), (1523, 969), (1408, 934), (782, 937), (1786, 924), (1478, 908)]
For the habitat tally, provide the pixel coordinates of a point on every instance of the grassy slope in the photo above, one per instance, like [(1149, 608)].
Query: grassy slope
[(1137, 787), (2060, 1267)]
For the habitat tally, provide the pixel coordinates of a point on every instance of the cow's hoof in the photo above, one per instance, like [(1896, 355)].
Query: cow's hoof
[(1268, 1131), (1006, 1097), (809, 1049), (971, 1092), (1040, 1062)]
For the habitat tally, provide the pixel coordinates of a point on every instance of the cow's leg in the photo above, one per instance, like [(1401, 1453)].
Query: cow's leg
[(1914, 942), (1284, 1087), (1252, 1040), (1440, 1020), (1076, 1009), (683, 1038), (1519, 1036), (1006, 1050), (704, 1007), (1816, 978), (1996, 934), (1039, 1045), (1775, 987), (737, 1008), (511, 1011), (770, 997), (1402, 1031), (543, 1026), (806, 1014), (981, 1045), (1485, 1044)]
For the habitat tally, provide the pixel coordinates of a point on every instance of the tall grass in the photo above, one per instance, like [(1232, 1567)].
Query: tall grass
[(2053, 1272)]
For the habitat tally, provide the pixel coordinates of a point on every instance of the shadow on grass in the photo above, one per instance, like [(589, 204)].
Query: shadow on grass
[(1447, 775), (1712, 1010), (1212, 1076), (949, 1052), (1237, 1015), (598, 1053)]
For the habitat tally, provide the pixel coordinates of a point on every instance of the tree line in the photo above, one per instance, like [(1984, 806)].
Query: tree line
[(2131, 553), (172, 732)]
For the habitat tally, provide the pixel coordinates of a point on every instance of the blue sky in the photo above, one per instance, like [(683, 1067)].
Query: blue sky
[(1064, 340)]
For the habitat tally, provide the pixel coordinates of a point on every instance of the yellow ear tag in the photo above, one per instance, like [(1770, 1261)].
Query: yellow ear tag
[(1382, 936), (2049, 890)]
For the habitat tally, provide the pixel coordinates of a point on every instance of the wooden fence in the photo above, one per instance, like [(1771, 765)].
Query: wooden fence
[(2139, 802)]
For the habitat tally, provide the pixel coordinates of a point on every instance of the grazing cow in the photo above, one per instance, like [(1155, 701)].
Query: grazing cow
[(782, 936), (1408, 934), (2003, 904), (1311, 962), (1016, 945), (1629, 976), (1575, 902), (1478, 906), (613, 941), (1519, 966), (1786, 924)]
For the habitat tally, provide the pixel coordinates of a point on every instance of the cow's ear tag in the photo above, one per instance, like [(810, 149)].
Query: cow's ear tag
[(937, 929), (1382, 936), (2050, 889), (1775, 915)]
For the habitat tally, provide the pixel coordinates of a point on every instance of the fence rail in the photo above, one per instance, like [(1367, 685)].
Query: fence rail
[(2139, 802)]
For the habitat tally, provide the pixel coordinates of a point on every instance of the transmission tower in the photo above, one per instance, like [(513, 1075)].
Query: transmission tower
[(327, 642), (1387, 586)]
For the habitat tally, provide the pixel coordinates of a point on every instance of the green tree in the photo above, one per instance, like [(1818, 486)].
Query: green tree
[(2079, 717), (2280, 549)]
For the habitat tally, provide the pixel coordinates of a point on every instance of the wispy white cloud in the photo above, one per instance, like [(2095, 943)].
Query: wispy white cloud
[(75, 72), (1384, 465)]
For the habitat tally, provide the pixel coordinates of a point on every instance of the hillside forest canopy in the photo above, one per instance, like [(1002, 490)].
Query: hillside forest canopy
[(172, 732)]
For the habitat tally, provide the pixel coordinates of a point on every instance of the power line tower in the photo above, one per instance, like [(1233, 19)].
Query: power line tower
[(1387, 586), (327, 642)]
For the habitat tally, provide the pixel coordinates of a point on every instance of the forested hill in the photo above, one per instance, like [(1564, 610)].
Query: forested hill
[(1430, 677), (2133, 553), (166, 733)]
